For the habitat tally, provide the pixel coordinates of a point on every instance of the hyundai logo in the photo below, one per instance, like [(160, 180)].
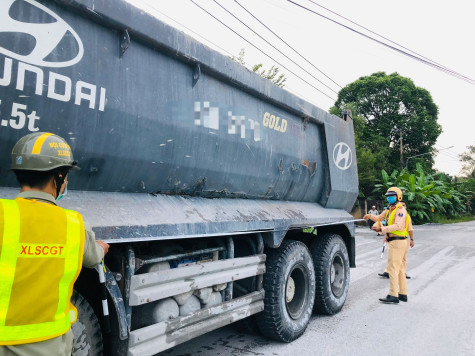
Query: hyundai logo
[(47, 36), (342, 156)]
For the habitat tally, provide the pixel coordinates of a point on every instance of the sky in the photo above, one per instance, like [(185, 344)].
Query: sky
[(439, 30)]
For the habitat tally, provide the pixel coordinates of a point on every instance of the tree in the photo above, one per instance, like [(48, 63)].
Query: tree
[(468, 158), (272, 74), (240, 57), (392, 108), (467, 188)]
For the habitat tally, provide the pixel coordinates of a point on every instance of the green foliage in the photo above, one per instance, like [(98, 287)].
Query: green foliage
[(424, 194), (466, 186), (441, 219), (384, 107), (391, 106), (272, 74), (240, 57)]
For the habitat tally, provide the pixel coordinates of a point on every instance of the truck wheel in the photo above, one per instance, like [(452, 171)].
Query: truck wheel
[(289, 284), (86, 329), (332, 273)]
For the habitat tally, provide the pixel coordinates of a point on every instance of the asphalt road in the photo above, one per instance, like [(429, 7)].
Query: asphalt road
[(439, 318)]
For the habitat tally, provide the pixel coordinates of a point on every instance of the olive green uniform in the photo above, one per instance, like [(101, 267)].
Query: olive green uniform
[(61, 345)]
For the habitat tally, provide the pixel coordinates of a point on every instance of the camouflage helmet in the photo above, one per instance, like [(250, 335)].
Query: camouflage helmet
[(41, 151)]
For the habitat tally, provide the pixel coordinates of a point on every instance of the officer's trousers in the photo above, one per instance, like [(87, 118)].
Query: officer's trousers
[(397, 254), (58, 346)]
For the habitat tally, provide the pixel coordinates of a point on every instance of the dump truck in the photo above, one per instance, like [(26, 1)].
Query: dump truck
[(224, 198)]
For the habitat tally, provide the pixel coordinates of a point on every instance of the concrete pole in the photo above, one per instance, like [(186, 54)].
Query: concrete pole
[(400, 149)]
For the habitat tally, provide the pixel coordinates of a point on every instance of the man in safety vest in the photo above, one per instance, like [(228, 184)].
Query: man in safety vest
[(42, 249), (397, 234)]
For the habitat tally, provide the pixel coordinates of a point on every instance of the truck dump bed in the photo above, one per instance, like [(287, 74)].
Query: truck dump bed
[(173, 138)]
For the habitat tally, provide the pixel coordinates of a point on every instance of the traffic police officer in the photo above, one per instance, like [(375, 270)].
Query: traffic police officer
[(42, 248), (397, 234)]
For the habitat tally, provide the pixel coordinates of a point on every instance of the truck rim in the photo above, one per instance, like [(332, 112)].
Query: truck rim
[(337, 275), (296, 291)]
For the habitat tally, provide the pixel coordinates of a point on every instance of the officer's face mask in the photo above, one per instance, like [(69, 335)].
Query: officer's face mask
[(65, 192), (391, 199)]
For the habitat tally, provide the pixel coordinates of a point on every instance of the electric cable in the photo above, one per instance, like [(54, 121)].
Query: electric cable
[(377, 34), (270, 44), (447, 152), (256, 47), (189, 29), (422, 60), (280, 38), (247, 65)]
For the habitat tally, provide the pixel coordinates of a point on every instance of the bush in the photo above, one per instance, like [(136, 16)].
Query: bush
[(425, 194)]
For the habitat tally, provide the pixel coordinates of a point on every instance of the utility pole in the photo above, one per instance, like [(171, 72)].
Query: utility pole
[(400, 149)]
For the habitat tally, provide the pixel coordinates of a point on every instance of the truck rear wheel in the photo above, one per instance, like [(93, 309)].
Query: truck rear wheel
[(289, 284), (86, 329), (332, 273)]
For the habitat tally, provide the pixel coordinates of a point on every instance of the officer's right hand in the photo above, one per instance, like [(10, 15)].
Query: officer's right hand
[(366, 217), (104, 245)]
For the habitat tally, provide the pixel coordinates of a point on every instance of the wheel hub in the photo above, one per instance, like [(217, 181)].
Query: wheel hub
[(290, 290), (337, 275)]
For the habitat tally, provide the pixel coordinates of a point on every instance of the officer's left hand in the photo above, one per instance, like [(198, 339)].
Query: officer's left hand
[(376, 228), (411, 243), (104, 245)]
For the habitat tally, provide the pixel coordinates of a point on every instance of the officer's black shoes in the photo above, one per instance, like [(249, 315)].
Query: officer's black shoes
[(407, 277), (384, 274), (403, 297), (389, 299)]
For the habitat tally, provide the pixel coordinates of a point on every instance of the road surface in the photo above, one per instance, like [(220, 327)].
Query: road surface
[(439, 318)]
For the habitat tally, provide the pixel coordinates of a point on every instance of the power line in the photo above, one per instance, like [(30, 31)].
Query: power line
[(270, 44), (189, 29), (247, 65), (256, 47), (377, 34), (422, 60), (280, 38)]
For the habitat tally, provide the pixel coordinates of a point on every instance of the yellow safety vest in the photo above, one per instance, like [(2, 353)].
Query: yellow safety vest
[(41, 251), (391, 219)]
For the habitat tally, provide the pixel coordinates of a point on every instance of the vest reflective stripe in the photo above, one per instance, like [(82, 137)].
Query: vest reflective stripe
[(41, 250), (391, 219)]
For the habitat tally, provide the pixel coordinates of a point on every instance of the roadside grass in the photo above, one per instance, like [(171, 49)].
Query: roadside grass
[(441, 219)]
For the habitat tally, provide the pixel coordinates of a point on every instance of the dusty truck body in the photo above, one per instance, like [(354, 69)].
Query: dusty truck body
[(202, 176)]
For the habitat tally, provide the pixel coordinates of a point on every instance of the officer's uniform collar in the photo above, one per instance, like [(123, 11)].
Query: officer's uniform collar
[(34, 194)]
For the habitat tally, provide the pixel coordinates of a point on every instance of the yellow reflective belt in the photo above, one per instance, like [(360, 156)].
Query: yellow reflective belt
[(11, 242)]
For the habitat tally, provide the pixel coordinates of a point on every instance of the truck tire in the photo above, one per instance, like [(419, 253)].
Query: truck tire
[(289, 284), (332, 273), (86, 329)]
